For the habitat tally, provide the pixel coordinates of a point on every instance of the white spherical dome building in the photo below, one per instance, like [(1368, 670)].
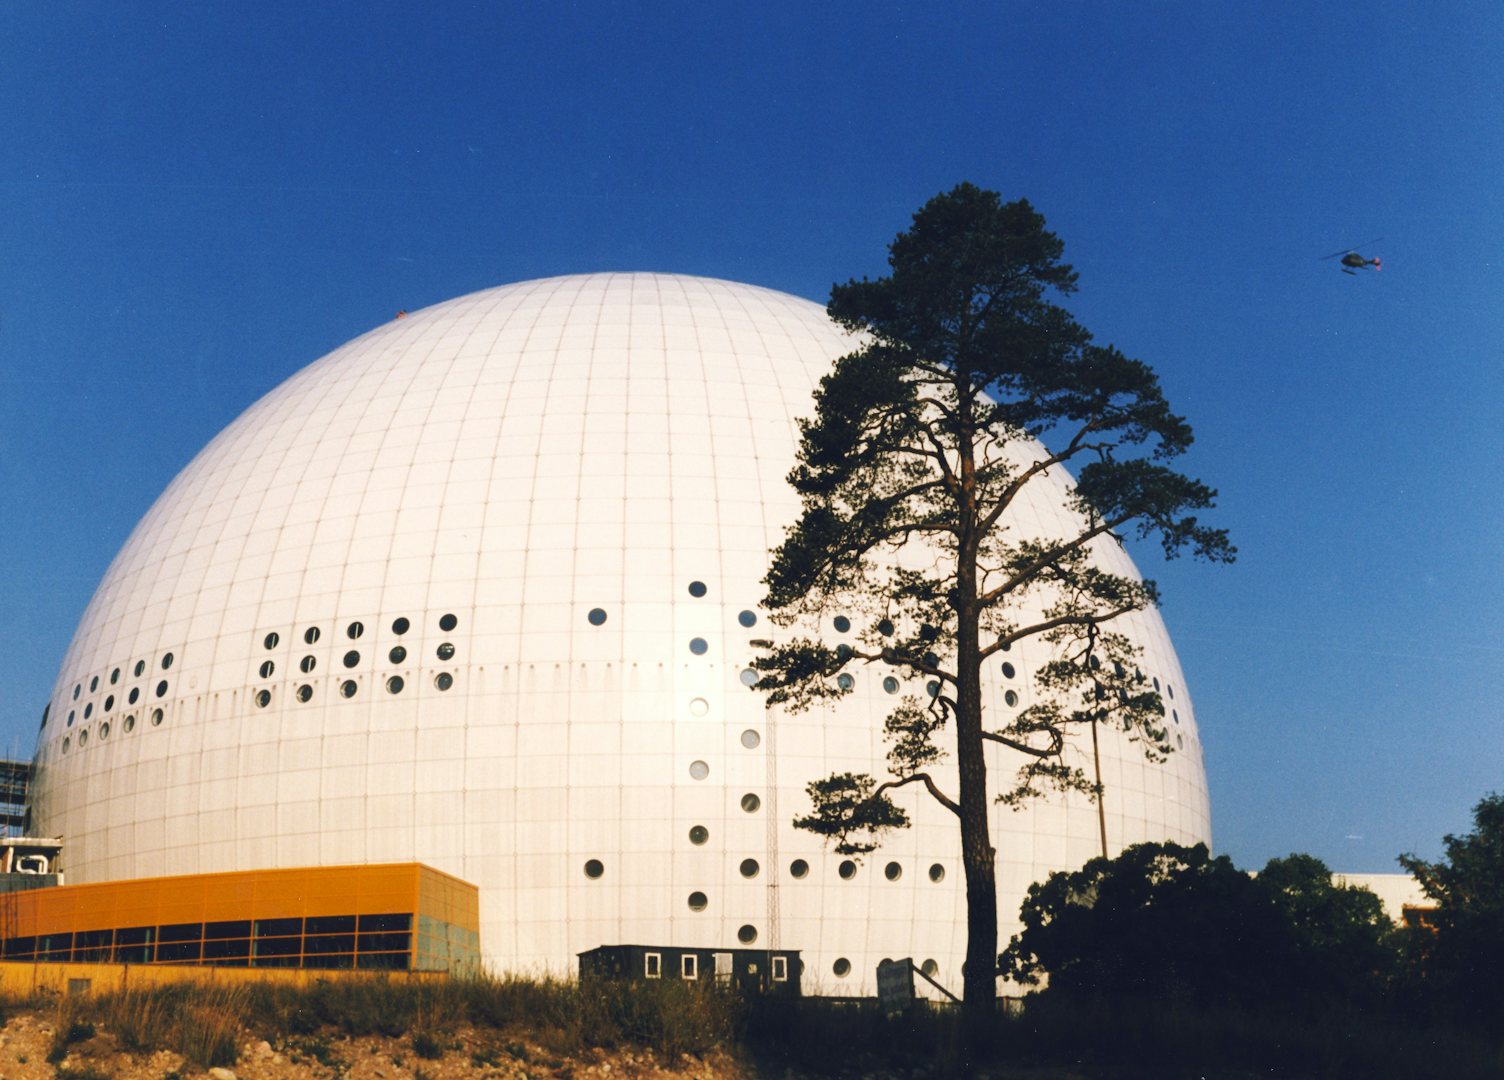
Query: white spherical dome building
[(478, 590)]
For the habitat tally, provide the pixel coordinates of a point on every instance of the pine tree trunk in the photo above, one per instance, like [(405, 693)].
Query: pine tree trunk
[(977, 856)]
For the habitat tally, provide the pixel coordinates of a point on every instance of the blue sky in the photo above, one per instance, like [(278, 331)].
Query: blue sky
[(198, 200)]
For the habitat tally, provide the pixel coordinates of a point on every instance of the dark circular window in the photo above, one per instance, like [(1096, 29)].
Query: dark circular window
[(137, 670), (114, 676), (263, 699), (1156, 686), (94, 684), (351, 658), (395, 684), (1008, 671), (747, 619), (130, 722), (104, 730), (594, 868), (885, 627), (133, 695), (597, 616), (83, 739), (932, 688), (67, 743), (1010, 698), (847, 870), (348, 688), (751, 803), (1174, 715), (893, 871), (305, 693), (748, 677), (698, 834), (890, 684), (443, 680), (267, 667), (166, 661), (698, 901), (1006, 646), (1170, 690), (747, 934), (162, 688), (400, 626), (109, 703), (448, 623), (843, 651), (842, 624), (78, 687), (696, 588), (88, 710), (698, 646), (355, 629), (841, 968), (156, 717), (445, 650), (307, 664), (397, 655), (799, 868), (749, 868), (929, 967), (70, 718), (311, 634), (845, 680), (937, 873), (271, 640)]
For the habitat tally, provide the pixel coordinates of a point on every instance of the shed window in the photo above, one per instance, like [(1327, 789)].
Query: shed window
[(780, 969), (689, 966), (652, 965)]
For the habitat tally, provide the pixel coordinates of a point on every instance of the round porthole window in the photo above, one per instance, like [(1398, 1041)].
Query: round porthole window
[(1010, 698), (133, 696), (699, 707), (696, 588), (594, 868), (305, 693), (88, 710), (698, 834), (699, 770), (311, 634), (845, 680), (71, 714), (266, 669), (842, 624), (348, 688), (401, 626), (698, 901), (747, 619), (841, 968), (698, 646), (750, 868), (1175, 716), (747, 934), (932, 688), (94, 684), (890, 684), (351, 658), (751, 803), (751, 739), (263, 699), (893, 871), (307, 664), (1170, 690), (397, 655), (799, 868), (114, 676), (1008, 670), (885, 627), (130, 723), (748, 677), (443, 680), (597, 616), (937, 873), (929, 967), (271, 640), (167, 663), (1179, 742), (67, 743), (162, 688), (395, 684), (448, 623), (156, 717), (83, 739), (109, 703), (138, 670), (847, 870), (445, 651), (355, 629), (104, 730)]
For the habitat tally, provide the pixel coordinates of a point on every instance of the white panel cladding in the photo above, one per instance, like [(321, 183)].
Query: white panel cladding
[(516, 460)]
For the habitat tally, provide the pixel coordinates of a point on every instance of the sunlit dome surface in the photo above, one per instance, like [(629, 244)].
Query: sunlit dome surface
[(478, 589)]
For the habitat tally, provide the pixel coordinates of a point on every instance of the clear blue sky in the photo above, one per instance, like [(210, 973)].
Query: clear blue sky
[(196, 200)]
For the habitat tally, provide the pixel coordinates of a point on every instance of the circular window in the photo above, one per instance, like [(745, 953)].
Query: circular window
[(267, 667), (698, 646), (885, 627), (71, 714), (263, 699), (843, 651), (751, 803), (397, 655), (699, 770), (1175, 716), (94, 684), (137, 670), (311, 634), (749, 868), (351, 658), (751, 739), (355, 629), (699, 707), (348, 688), (893, 871), (932, 688), (114, 676), (937, 873), (799, 868), (930, 968), (83, 739), (443, 680), (594, 868), (847, 870), (271, 640), (698, 834), (698, 901), (156, 717), (104, 730), (842, 624), (401, 626), (696, 588), (1006, 646), (748, 677), (307, 664), (79, 687), (133, 695), (109, 703), (130, 722), (167, 663), (445, 651), (88, 710), (448, 623), (1155, 681), (841, 968), (1008, 670), (305, 693), (597, 616), (1179, 742), (162, 688), (747, 619), (395, 684), (747, 934), (1010, 698), (67, 743), (890, 684), (1170, 690), (845, 680)]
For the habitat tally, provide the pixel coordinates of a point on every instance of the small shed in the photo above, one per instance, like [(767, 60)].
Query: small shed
[(751, 971)]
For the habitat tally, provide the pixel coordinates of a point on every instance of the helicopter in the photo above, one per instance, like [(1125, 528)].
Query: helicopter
[(1352, 262)]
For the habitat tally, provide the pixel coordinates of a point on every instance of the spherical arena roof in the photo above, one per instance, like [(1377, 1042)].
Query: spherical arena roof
[(479, 589)]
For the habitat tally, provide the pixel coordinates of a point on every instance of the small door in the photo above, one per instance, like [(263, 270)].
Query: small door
[(724, 967)]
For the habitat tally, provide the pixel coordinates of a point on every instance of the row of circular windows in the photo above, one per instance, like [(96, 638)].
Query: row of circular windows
[(396, 655), (751, 868), (128, 725), (109, 702), (394, 684), (137, 671), (356, 629)]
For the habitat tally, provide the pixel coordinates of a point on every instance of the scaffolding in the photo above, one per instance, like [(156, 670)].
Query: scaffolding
[(15, 784)]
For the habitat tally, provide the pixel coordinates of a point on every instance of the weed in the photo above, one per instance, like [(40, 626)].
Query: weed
[(427, 1046), (486, 1058), (318, 1049)]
